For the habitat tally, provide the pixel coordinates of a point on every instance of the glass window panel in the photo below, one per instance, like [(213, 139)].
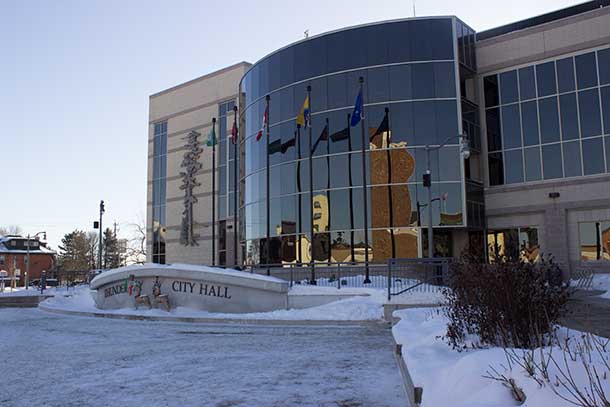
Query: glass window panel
[(448, 159), (306, 213), (593, 156), (378, 85), (490, 87), (340, 171), (444, 79), (588, 107), (529, 120), (551, 161), (545, 77), (289, 178), (341, 205), (401, 123), (496, 169), (446, 120), (424, 122), (586, 70), (337, 92), (607, 142), (533, 170), (289, 214), (494, 138), (514, 166), (605, 93), (605, 240), (565, 74), (511, 126), (549, 120), (527, 83), (590, 246), (571, 159), (569, 116), (508, 87), (423, 81), (603, 59), (400, 82)]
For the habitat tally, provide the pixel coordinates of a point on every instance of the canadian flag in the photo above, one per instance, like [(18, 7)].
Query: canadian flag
[(259, 135)]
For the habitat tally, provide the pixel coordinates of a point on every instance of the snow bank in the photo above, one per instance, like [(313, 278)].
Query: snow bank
[(451, 378), (601, 282)]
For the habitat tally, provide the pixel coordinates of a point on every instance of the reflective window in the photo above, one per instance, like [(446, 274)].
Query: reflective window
[(527, 83), (490, 88), (603, 59), (511, 126), (545, 77), (607, 143), (549, 120), (593, 156), (605, 93), (514, 166), (508, 87), (571, 159), (496, 169), (494, 139), (378, 85), (552, 161), (588, 106), (594, 240), (533, 170), (586, 70), (569, 116), (529, 120), (565, 74)]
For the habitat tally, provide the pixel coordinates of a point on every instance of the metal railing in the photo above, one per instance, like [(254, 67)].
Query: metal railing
[(420, 274)]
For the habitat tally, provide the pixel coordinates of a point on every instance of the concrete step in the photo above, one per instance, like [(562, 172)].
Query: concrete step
[(22, 301)]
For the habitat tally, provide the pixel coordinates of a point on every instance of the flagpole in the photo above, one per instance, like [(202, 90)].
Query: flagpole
[(312, 259), (351, 194), (298, 172), (367, 280), (235, 209), (267, 98), (328, 184), (214, 192), (390, 198)]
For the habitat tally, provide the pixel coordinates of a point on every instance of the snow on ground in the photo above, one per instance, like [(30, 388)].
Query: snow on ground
[(68, 361), (601, 282), (451, 378), (21, 291)]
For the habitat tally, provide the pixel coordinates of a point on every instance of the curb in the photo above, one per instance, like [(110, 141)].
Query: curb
[(223, 321), (414, 394)]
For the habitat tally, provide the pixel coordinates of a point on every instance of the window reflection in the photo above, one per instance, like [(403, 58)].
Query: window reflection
[(517, 244), (594, 240)]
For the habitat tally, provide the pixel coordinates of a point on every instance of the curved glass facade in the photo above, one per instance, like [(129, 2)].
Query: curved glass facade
[(410, 69)]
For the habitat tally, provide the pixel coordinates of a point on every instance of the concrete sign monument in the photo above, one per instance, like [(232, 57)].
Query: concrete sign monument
[(197, 287)]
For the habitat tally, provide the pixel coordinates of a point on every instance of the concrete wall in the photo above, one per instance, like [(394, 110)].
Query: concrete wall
[(582, 198), (186, 107)]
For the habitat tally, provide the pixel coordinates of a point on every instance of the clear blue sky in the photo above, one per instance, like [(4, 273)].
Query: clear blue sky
[(75, 77)]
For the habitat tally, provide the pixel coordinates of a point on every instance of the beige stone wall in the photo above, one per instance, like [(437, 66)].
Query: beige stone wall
[(186, 107)]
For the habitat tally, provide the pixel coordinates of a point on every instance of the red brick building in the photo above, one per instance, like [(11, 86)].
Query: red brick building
[(13, 254)]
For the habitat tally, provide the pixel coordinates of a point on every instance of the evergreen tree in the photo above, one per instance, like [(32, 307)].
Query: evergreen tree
[(74, 252), (112, 250)]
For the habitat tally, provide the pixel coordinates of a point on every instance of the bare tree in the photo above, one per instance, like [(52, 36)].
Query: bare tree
[(136, 249), (10, 230), (92, 243)]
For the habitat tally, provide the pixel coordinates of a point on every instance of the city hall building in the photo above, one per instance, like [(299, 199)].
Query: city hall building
[(294, 179)]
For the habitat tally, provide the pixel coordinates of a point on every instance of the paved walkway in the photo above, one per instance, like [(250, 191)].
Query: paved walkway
[(588, 312)]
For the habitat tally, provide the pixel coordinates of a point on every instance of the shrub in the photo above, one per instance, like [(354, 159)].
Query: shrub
[(509, 304)]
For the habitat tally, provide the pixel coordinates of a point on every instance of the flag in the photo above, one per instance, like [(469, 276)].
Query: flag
[(340, 135), (323, 136), (234, 132), (259, 135), (211, 138), (303, 116), (383, 127), (275, 146), (357, 113)]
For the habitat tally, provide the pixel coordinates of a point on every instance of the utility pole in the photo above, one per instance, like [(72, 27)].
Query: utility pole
[(101, 242)]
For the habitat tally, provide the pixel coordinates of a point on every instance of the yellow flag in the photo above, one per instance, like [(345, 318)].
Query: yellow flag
[(303, 116)]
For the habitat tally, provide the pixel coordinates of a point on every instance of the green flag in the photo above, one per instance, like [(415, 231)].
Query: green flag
[(211, 138)]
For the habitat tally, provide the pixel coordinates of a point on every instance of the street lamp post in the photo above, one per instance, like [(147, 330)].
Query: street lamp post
[(27, 260), (427, 180)]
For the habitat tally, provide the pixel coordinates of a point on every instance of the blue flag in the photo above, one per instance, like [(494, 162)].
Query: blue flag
[(357, 114)]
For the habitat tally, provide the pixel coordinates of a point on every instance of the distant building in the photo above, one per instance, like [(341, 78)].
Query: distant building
[(13, 254)]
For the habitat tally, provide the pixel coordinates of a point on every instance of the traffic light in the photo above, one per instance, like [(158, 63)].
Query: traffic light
[(102, 207), (427, 180)]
